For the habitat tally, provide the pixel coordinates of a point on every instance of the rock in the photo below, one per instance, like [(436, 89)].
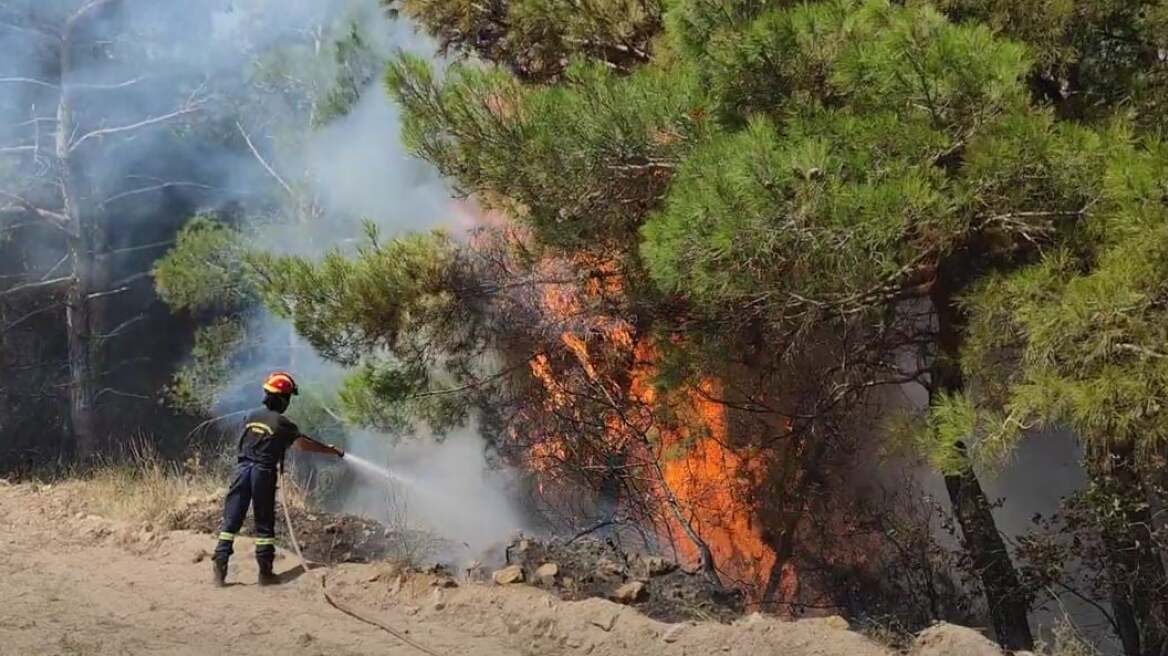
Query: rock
[(547, 573), (630, 593), (437, 599), (444, 582), (950, 640), (199, 556), (437, 569), (673, 633), (605, 621), (754, 618), (657, 566), (834, 622), (508, 575), (607, 570)]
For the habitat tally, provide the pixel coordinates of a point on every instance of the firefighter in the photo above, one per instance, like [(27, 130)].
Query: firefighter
[(267, 434)]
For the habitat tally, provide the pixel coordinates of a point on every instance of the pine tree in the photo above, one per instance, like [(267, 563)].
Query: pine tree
[(832, 162), (1081, 334)]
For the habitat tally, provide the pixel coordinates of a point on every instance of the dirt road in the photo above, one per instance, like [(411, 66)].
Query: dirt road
[(77, 585), (74, 583)]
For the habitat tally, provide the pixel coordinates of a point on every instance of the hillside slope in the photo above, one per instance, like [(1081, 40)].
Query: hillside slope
[(76, 583)]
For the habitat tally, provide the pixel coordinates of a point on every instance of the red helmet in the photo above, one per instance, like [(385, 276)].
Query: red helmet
[(281, 383)]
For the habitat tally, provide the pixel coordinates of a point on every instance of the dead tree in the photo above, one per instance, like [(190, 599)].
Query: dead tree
[(50, 179)]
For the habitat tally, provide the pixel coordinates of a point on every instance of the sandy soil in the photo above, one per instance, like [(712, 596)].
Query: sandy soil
[(75, 583)]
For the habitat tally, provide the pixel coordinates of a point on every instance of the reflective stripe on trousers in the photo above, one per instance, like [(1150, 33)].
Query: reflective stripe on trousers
[(253, 486)]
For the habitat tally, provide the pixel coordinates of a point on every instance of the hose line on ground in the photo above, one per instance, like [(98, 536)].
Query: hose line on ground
[(324, 588)]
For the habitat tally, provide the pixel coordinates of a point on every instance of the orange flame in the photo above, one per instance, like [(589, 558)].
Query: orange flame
[(712, 481), (702, 475)]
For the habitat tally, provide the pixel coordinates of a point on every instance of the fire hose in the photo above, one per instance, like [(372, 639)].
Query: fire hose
[(324, 586)]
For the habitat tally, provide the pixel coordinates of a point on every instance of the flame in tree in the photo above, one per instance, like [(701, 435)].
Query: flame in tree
[(666, 459)]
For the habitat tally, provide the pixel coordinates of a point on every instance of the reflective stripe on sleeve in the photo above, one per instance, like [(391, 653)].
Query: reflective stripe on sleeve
[(264, 542), (260, 427), (227, 537)]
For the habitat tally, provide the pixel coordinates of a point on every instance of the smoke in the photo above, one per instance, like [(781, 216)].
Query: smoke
[(363, 170), (356, 169), (443, 486), (234, 71)]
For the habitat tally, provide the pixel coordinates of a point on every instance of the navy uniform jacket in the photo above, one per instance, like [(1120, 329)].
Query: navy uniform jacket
[(267, 435)]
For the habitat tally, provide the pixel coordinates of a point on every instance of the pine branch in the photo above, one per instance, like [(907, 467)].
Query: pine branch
[(121, 286), (39, 311), (107, 87), (117, 392)]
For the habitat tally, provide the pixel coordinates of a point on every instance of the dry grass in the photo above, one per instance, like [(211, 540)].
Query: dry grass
[(889, 633), (1067, 641), (142, 487)]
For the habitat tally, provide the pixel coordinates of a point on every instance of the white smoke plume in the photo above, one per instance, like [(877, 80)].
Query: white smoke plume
[(441, 486), (358, 170), (353, 169)]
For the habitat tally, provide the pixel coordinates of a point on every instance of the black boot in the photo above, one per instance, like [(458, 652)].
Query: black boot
[(219, 566), (267, 577)]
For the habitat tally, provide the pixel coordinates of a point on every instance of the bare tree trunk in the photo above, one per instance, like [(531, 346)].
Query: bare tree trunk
[(82, 386), (1139, 584), (1007, 602)]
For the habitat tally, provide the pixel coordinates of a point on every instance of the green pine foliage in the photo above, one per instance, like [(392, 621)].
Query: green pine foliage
[(908, 138), (195, 387), (206, 269), (1091, 58), (534, 39), (1085, 330), (579, 162), (398, 312), (349, 306)]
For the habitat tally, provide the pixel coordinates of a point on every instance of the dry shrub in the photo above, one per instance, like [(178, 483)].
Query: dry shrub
[(140, 486), (1067, 641)]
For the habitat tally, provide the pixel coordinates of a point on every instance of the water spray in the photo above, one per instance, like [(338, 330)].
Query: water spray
[(376, 471)]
